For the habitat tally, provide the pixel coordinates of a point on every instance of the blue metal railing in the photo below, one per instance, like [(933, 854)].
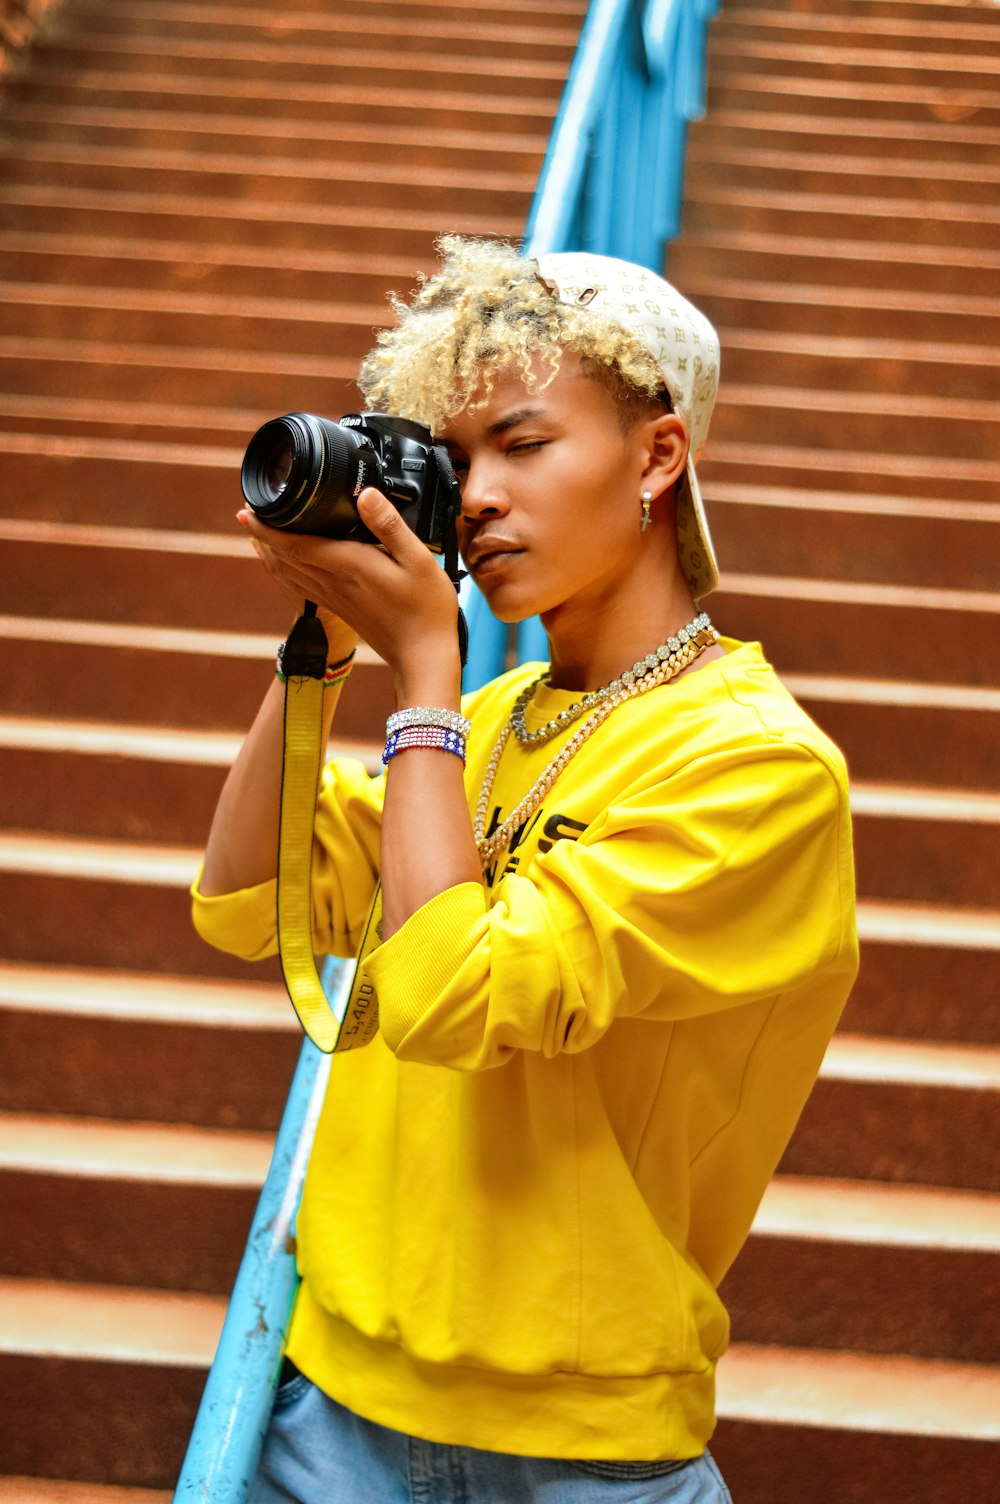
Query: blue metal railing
[(612, 182), (235, 1407)]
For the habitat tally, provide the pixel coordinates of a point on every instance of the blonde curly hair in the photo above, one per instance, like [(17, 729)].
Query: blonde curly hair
[(483, 310)]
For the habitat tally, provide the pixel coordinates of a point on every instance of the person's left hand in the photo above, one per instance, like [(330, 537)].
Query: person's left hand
[(397, 598)]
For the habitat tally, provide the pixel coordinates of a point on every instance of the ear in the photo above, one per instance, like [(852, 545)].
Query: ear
[(666, 445)]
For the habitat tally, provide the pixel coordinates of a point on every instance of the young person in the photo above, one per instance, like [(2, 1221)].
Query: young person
[(614, 941)]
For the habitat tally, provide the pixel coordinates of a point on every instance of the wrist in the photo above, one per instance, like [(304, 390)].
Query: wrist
[(341, 639), (438, 689), (434, 678)]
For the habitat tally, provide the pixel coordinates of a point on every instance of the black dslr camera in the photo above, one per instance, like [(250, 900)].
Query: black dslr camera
[(306, 473)]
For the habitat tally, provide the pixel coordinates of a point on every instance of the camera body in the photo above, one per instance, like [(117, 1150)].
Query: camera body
[(305, 473)]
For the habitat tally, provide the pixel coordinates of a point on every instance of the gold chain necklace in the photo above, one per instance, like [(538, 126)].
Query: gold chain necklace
[(696, 641), (639, 670)]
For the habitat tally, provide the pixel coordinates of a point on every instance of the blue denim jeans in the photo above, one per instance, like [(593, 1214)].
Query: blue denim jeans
[(316, 1452)]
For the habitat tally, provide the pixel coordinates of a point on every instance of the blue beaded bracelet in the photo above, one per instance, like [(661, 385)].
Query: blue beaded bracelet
[(436, 738)]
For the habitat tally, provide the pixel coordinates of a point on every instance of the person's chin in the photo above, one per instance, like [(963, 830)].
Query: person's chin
[(500, 578)]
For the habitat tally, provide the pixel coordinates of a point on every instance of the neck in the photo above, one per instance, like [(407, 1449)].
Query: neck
[(590, 647)]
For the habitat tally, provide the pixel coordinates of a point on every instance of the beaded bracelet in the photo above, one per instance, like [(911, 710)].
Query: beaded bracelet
[(428, 715), (437, 738), (336, 673)]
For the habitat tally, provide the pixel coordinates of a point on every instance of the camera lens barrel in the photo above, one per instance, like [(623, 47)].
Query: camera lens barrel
[(305, 474)]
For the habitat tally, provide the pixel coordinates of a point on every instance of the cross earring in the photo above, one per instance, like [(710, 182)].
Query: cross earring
[(647, 516)]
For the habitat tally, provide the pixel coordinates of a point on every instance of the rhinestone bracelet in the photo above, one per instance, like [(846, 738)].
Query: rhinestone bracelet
[(428, 715), (436, 738)]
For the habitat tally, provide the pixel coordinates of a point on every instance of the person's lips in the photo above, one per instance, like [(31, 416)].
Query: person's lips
[(487, 554)]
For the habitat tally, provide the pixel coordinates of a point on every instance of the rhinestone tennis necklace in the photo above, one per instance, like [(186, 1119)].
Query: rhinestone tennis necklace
[(675, 655), (639, 670)]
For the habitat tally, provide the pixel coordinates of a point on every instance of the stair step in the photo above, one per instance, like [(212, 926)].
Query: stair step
[(897, 729), (947, 12), (268, 99), (962, 70), (830, 173), (130, 910), (161, 676), (42, 424), (737, 89), (880, 314), (214, 681), (808, 133), (280, 185), (81, 481), (912, 843), (831, 535), (256, 63), (452, 30), (861, 471), (895, 1265), (55, 776), (166, 373), (859, 627), (841, 218), (884, 414), (153, 576), (873, 365), (930, 973), (188, 319), (832, 1426), (173, 132), (923, 1114), (140, 894), (102, 1028), (63, 1491), (230, 270), (545, 13), (940, 270), (111, 1376), (181, 217), (921, 845), (144, 1180), (762, 27)]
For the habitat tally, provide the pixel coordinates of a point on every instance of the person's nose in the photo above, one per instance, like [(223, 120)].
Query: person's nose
[(482, 493)]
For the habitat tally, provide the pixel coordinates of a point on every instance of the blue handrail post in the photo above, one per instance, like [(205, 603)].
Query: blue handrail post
[(487, 639), (235, 1407)]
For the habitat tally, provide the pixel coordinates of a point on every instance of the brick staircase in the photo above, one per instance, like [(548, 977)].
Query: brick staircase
[(201, 208)]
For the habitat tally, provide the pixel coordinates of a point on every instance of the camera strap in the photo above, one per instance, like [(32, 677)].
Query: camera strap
[(304, 665), (303, 661)]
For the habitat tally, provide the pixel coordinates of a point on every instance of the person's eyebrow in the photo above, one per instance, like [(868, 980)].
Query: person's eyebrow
[(502, 425), (519, 415)]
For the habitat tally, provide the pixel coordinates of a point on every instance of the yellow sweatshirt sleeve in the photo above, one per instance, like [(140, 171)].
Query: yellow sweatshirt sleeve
[(345, 865), (727, 883)]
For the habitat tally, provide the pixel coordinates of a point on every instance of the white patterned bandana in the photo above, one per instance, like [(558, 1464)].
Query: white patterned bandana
[(685, 347)]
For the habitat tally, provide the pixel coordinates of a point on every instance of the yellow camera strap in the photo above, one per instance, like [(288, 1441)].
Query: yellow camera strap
[(304, 664)]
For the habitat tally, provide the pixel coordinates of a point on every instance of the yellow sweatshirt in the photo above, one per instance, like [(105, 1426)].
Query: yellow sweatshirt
[(523, 1194)]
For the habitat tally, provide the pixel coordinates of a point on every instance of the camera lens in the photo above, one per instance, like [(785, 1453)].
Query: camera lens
[(277, 467), (304, 473)]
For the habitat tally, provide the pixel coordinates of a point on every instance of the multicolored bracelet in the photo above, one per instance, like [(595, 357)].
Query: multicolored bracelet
[(437, 738), (428, 715), (336, 673)]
